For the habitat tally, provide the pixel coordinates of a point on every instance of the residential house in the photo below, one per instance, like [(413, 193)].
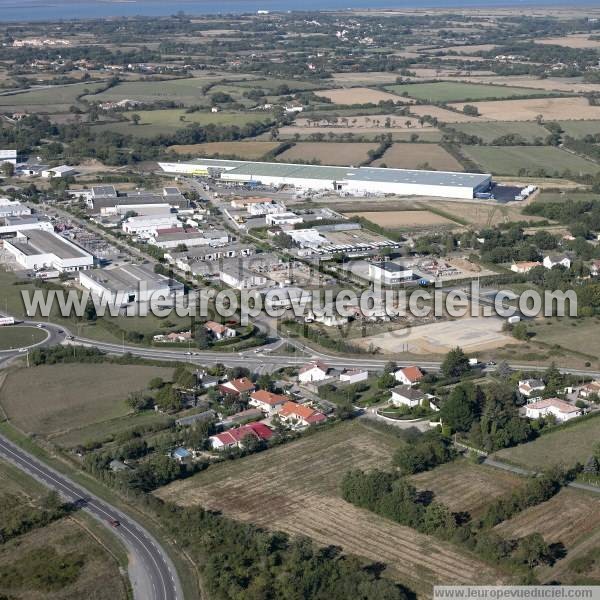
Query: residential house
[(174, 337), (314, 371), (268, 402), (352, 376), (553, 260), (237, 387), (219, 331), (407, 396), (531, 387), (181, 455), (409, 375), (234, 438), (563, 411), (595, 267), (524, 267), (589, 389), (299, 416)]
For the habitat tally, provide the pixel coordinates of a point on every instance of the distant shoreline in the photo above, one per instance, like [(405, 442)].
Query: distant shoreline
[(36, 11)]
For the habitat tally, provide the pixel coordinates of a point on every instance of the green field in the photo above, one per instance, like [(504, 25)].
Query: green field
[(188, 91), (579, 129), (489, 131), (455, 91), (509, 160), (16, 337), (51, 99), (64, 397), (565, 446), (163, 122)]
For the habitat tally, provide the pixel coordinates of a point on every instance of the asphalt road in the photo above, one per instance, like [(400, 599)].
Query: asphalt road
[(158, 579)]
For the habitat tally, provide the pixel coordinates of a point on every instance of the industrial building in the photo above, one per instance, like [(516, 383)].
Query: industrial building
[(389, 273), (346, 180), (129, 285), (9, 156), (10, 208), (39, 250)]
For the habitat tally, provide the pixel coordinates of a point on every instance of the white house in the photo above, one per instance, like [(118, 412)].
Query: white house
[(407, 396), (589, 389), (563, 411), (409, 375), (266, 401), (315, 371), (9, 156), (553, 260), (354, 376), (531, 387)]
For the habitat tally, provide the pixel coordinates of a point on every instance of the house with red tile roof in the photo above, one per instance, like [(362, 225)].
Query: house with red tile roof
[(218, 330), (298, 415), (409, 375), (235, 438), (563, 411), (314, 371), (268, 402), (236, 387)]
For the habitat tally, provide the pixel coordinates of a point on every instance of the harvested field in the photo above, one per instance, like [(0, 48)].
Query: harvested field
[(561, 84), (418, 156), (284, 489), (509, 160), (464, 486), (565, 446), (441, 114), (67, 396), (357, 124), (481, 214), (575, 40), (248, 150), (399, 219), (358, 95), (470, 333), (492, 130), (364, 78), (332, 153), (551, 109), (452, 91), (579, 517)]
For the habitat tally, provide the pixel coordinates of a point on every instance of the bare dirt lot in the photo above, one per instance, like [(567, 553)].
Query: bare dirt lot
[(329, 153), (398, 219), (418, 156), (527, 110), (359, 95), (294, 488), (470, 333), (55, 398)]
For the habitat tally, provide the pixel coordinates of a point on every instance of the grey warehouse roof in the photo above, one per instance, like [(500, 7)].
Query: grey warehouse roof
[(44, 242), (406, 176), (128, 277)]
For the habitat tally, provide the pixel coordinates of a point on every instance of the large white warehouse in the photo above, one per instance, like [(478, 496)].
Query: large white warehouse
[(355, 181)]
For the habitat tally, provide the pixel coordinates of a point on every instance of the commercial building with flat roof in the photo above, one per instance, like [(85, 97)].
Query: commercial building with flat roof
[(38, 249), (389, 273), (353, 181), (128, 285)]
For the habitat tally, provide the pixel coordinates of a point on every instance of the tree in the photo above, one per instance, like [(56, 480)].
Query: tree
[(156, 383), (7, 169), (456, 363), (533, 550), (135, 119), (472, 111), (461, 408)]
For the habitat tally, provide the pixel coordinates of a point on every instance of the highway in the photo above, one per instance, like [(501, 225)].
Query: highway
[(156, 577)]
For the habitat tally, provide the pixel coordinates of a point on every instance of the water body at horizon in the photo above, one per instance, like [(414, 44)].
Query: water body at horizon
[(44, 10)]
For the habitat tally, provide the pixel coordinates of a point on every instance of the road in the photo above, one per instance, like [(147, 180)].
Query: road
[(152, 572)]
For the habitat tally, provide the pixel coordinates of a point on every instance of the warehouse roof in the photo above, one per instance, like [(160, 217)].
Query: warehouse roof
[(38, 241), (407, 176), (128, 277)]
